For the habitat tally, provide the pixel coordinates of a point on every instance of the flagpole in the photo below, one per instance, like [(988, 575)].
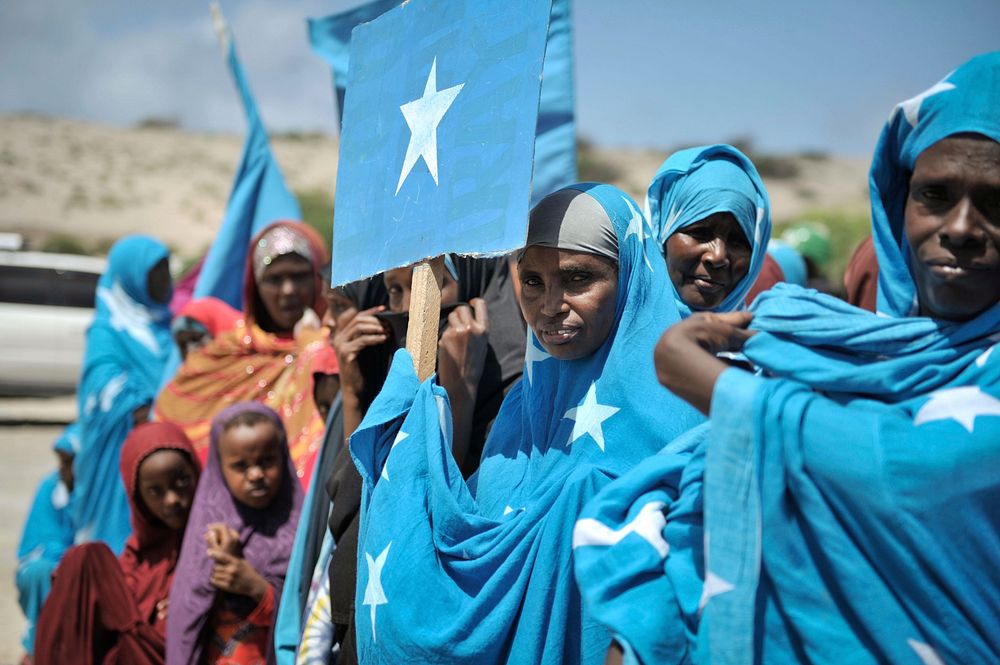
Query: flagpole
[(425, 313), (220, 26)]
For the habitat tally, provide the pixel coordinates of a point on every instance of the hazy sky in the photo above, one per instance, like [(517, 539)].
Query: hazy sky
[(792, 74)]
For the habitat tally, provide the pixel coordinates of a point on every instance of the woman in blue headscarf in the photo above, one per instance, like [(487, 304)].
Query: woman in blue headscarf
[(127, 347), (852, 502), (711, 219), (47, 535), (480, 572)]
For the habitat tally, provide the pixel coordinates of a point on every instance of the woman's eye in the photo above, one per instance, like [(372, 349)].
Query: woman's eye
[(580, 277), (935, 194)]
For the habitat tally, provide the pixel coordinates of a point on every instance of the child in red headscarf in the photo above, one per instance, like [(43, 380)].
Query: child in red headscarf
[(102, 610)]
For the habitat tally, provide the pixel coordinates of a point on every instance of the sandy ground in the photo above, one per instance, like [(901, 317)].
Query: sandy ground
[(98, 182), (26, 459)]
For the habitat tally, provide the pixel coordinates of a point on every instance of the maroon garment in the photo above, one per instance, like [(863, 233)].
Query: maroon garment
[(861, 276), (151, 551), (90, 616), (770, 274)]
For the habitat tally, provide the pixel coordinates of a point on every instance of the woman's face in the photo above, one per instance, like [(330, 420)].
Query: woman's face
[(287, 288), (250, 457), (339, 309), (568, 299), (158, 282), (399, 280), (167, 481), (707, 259), (952, 223)]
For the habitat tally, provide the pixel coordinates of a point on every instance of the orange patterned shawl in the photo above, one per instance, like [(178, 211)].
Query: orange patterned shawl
[(248, 363)]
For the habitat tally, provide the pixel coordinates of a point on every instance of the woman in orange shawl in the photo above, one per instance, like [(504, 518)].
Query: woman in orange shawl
[(266, 357)]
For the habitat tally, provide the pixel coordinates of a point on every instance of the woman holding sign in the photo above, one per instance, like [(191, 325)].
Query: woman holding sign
[(492, 556)]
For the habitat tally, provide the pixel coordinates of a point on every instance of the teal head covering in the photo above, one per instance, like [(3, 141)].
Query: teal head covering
[(695, 183), (966, 101)]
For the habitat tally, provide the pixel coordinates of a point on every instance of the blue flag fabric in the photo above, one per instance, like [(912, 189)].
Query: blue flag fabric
[(493, 556), (697, 182), (259, 197), (555, 132), (127, 348), (447, 169)]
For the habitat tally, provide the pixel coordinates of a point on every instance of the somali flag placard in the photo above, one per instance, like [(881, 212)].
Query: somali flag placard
[(555, 132), (439, 132)]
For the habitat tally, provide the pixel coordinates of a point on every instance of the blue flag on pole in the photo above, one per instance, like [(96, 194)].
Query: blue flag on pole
[(259, 197), (555, 133), (438, 138)]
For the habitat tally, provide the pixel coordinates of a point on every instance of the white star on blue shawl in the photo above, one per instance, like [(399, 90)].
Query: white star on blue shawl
[(963, 405), (400, 436), (129, 316), (588, 418), (911, 107), (533, 354), (637, 228), (374, 593), (423, 116)]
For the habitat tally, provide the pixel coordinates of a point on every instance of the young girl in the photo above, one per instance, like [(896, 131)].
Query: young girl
[(106, 611), (223, 604)]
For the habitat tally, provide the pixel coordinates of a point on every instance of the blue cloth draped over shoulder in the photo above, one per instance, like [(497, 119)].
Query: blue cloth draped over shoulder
[(858, 521), (48, 533), (127, 347), (623, 570), (493, 557), (697, 182)]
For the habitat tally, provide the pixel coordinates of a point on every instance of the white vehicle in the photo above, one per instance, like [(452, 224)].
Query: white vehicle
[(46, 305)]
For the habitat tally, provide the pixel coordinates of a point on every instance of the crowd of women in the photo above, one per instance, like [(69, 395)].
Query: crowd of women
[(617, 458)]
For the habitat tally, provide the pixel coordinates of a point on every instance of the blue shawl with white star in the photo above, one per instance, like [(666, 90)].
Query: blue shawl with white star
[(452, 572), (853, 503), (695, 183), (127, 347), (838, 552)]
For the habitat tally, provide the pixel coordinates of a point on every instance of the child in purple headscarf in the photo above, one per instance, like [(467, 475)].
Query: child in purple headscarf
[(223, 601)]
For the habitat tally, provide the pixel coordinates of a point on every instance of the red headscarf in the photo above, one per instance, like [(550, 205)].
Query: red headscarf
[(151, 551), (214, 314), (319, 259)]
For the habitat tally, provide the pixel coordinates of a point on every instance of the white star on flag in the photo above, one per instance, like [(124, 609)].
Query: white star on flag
[(925, 652), (400, 436), (911, 107), (637, 228), (981, 360), (532, 355), (374, 594), (713, 586), (963, 405), (648, 524), (128, 315), (423, 116), (587, 418)]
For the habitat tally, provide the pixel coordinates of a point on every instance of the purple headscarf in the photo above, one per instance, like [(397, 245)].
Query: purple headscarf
[(266, 536)]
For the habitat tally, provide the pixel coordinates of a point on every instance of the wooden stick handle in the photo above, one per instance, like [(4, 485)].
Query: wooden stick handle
[(425, 311)]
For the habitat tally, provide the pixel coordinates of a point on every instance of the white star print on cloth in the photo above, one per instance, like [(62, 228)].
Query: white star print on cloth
[(532, 355), (374, 593), (911, 107), (587, 418), (111, 390), (963, 405), (714, 586), (637, 228), (981, 360), (648, 524), (128, 315), (400, 436), (925, 652), (423, 116)]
